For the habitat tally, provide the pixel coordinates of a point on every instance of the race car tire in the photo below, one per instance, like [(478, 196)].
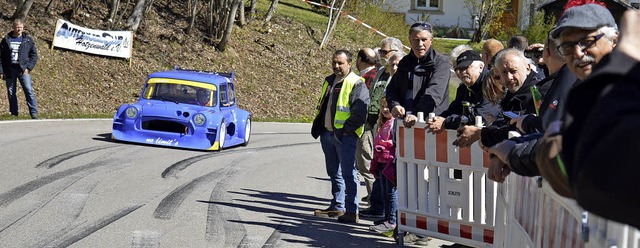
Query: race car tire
[(222, 132), (247, 131)]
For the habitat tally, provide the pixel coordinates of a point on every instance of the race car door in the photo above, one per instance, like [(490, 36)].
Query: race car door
[(228, 105)]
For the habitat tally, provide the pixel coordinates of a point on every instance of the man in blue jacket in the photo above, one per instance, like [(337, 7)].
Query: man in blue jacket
[(18, 57)]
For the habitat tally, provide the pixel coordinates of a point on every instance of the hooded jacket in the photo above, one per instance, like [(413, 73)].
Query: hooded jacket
[(427, 78)]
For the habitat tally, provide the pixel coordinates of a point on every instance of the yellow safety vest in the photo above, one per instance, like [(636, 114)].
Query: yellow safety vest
[(342, 105)]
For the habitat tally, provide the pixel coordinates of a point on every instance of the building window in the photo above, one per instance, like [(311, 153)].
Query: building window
[(427, 4)]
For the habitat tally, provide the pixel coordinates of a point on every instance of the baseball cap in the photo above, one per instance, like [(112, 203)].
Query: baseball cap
[(588, 17), (465, 59)]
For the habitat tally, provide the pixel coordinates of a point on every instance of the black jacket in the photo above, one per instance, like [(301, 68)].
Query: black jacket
[(358, 106), (433, 89), (523, 156), (554, 89), (601, 141), (27, 54), (480, 106), (520, 102)]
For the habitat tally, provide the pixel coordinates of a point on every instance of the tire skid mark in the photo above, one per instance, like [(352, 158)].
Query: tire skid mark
[(145, 239), (40, 206), (169, 205), (10, 196), (173, 169), (82, 231), (75, 210), (50, 163), (218, 217), (273, 238)]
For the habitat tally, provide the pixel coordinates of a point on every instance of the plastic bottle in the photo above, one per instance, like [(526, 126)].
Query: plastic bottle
[(537, 98)]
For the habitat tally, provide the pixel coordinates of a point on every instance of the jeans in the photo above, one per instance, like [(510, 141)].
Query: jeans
[(25, 81), (390, 195), (340, 160)]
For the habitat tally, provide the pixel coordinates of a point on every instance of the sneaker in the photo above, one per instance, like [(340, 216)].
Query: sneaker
[(328, 213), (379, 221), (34, 116), (369, 213), (422, 241), (365, 199), (348, 218), (384, 227), (390, 233), (410, 238)]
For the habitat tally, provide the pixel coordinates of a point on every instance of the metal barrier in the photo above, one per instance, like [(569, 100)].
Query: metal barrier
[(475, 211)]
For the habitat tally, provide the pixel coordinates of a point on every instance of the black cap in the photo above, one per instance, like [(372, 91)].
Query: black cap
[(465, 59)]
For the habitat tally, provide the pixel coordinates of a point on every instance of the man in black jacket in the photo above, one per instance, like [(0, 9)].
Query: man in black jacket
[(471, 71), (421, 83), (18, 57)]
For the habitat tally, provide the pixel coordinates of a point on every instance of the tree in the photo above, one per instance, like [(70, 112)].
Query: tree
[(227, 32), (194, 8), (333, 22), (22, 9), (252, 9), (113, 9), (272, 9), (487, 12), (136, 16)]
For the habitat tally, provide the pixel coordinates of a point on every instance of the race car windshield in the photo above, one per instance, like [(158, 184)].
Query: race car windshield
[(180, 94)]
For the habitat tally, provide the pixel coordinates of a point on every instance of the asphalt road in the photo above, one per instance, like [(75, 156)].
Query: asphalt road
[(65, 183)]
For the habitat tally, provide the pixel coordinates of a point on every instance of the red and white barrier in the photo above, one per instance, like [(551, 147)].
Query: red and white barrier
[(475, 211)]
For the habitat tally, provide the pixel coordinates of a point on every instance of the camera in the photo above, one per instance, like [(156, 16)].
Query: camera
[(534, 53)]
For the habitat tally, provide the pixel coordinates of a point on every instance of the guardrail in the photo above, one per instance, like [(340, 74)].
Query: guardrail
[(475, 211)]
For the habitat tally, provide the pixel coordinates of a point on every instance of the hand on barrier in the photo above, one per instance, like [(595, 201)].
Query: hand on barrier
[(497, 170), (518, 121), (409, 120), (436, 124), (467, 135)]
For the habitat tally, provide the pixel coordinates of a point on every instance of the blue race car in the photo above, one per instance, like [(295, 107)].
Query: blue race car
[(185, 108)]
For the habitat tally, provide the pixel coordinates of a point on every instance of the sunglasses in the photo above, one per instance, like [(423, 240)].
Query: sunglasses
[(421, 24), (384, 52), (568, 48)]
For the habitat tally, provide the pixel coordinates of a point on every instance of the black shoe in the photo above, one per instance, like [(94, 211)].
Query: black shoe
[(34, 116), (348, 218), (328, 213), (369, 213)]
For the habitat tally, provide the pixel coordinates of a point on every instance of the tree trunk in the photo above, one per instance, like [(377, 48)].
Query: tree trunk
[(333, 25), (22, 12), (272, 9), (252, 9), (113, 9), (193, 16), (232, 15), (242, 21), (136, 16)]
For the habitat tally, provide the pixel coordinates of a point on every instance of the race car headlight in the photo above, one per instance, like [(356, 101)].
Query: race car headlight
[(199, 119), (132, 112)]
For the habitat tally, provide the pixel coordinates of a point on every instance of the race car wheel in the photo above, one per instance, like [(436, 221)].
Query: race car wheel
[(222, 132), (247, 131)]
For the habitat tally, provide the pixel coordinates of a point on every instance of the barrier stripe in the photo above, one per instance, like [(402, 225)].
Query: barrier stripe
[(482, 234), (465, 155), (441, 147), (401, 143), (353, 19), (419, 143)]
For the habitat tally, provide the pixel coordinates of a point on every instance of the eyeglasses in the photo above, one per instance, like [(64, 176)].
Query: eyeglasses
[(568, 48), (384, 52), (421, 24)]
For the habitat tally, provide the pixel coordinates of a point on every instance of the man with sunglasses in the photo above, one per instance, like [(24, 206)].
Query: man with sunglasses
[(421, 83)]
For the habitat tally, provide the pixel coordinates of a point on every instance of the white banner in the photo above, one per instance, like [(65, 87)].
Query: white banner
[(107, 43)]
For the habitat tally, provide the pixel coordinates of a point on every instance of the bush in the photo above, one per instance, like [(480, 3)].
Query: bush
[(538, 31)]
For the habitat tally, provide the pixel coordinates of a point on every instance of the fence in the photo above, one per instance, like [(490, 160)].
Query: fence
[(475, 211)]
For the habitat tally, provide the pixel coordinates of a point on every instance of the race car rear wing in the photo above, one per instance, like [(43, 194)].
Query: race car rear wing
[(229, 75)]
